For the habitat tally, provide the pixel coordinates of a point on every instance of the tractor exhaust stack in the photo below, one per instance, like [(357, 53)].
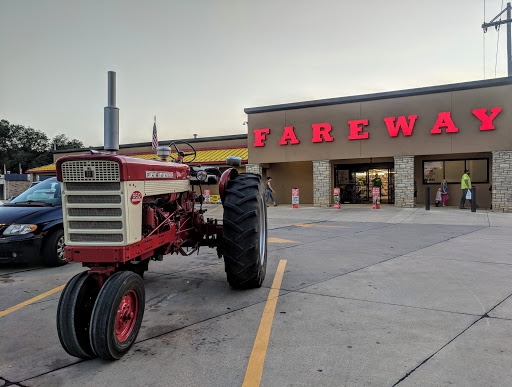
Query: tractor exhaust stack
[(111, 117)]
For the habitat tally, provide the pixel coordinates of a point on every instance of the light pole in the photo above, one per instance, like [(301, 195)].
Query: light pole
[(495, 23)]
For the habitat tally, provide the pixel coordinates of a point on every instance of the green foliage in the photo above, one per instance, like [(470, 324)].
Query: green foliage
[(29, 147)]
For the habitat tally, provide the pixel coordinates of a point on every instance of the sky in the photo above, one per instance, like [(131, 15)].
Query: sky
[(196, 64)]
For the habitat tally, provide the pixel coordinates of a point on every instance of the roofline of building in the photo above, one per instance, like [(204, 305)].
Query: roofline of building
[(383, 95), (142, 144), (32, 171)]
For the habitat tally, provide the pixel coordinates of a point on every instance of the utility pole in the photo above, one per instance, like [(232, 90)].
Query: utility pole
[(495, 23)]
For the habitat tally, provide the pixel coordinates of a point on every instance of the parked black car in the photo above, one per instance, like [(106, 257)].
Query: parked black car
[(31, 226)]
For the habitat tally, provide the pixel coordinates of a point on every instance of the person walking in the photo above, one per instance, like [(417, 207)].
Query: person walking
[(465, 185), (269, 190), (444, 192)]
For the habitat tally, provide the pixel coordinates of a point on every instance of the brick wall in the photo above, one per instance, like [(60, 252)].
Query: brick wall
[(404, 181), (253, 168), (322, 183), (501, 181), (14, 188)]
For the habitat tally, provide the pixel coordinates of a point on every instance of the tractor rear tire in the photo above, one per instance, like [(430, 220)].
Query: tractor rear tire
[(245, 232), (117, 315), (74, 315)]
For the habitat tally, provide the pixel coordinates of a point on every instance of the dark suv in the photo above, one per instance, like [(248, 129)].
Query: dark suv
[(31, 226)]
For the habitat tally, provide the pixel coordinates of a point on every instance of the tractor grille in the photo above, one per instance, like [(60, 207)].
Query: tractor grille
[(92, 186), (96, 237), (94, 199), (95, 212), (95, 225), (90, 170)]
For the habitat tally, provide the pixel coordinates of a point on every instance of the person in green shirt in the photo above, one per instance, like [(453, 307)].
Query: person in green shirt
[(465, 184), (377, 182)]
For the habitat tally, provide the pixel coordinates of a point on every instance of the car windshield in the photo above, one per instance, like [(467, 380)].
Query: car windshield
[(48, 191)]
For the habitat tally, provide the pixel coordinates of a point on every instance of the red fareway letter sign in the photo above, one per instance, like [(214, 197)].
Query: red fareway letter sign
[(260, 136), (288, 134), (401, 122), (444, 120), (321, 130), (487, 120), (356, 128)]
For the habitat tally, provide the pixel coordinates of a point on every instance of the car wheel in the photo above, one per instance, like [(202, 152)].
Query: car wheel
[(53, 254)]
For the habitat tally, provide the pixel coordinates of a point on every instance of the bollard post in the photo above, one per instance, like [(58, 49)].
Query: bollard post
[(427, 198), (473, 199)]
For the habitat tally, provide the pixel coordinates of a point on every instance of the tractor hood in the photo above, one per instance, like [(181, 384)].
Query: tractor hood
[(130, 168)]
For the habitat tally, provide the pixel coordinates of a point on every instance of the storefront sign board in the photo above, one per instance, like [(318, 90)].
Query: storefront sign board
[(376, 198), (295, 198), (337, 198)]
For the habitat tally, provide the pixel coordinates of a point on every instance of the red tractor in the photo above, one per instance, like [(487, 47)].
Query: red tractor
[(122, 212)]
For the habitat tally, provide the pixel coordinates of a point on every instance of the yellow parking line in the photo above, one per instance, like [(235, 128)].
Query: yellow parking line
[(215, 209), (317, 225), (279, 240), (259, 350), (32, 300)]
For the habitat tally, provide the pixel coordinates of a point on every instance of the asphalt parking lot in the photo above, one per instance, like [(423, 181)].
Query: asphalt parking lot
[(384, 297)]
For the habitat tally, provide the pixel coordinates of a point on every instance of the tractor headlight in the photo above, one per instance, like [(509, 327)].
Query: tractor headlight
[(202, 176), (19, 229)]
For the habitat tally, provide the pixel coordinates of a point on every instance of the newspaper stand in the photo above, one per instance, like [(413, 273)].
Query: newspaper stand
[(376, 198), (295, 197), (207, 196), (337, 198)]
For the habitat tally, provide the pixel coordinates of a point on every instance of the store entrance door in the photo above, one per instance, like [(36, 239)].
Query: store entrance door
[(355, 182)]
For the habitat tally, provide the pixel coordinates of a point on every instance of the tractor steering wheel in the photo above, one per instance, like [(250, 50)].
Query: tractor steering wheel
[(181, 153)]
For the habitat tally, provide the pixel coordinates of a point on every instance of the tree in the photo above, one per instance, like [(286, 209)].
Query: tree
[(29, 147), (61, 141)]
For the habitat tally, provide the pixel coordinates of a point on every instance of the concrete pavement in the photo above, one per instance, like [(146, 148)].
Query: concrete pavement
[(369, 297)]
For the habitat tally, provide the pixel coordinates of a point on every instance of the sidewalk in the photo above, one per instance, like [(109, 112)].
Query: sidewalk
[(387, 214)]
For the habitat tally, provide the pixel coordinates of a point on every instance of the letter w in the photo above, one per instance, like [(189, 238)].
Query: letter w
[(401, 123)]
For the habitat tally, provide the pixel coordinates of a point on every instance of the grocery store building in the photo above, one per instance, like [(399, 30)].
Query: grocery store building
[(405, 137)]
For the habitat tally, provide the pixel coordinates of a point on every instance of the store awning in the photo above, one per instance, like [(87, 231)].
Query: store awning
[(204, 156)]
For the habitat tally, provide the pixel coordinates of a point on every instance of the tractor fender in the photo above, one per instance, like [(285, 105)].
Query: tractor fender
[(228, 174)]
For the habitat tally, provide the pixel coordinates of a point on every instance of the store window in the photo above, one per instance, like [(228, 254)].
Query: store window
[(452, 170)]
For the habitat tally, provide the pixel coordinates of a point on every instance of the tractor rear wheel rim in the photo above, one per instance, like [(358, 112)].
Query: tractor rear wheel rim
[(126, 315), (263, 233)]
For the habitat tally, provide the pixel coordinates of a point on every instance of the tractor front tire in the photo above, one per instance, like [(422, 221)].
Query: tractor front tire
[(117, 315), (74, 315), (245, 232)]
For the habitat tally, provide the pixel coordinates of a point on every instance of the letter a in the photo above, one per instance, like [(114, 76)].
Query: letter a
[(400, 123), (288, 134), (444, 120)]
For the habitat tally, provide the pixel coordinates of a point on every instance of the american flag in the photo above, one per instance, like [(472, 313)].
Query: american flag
[(154, 144)]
